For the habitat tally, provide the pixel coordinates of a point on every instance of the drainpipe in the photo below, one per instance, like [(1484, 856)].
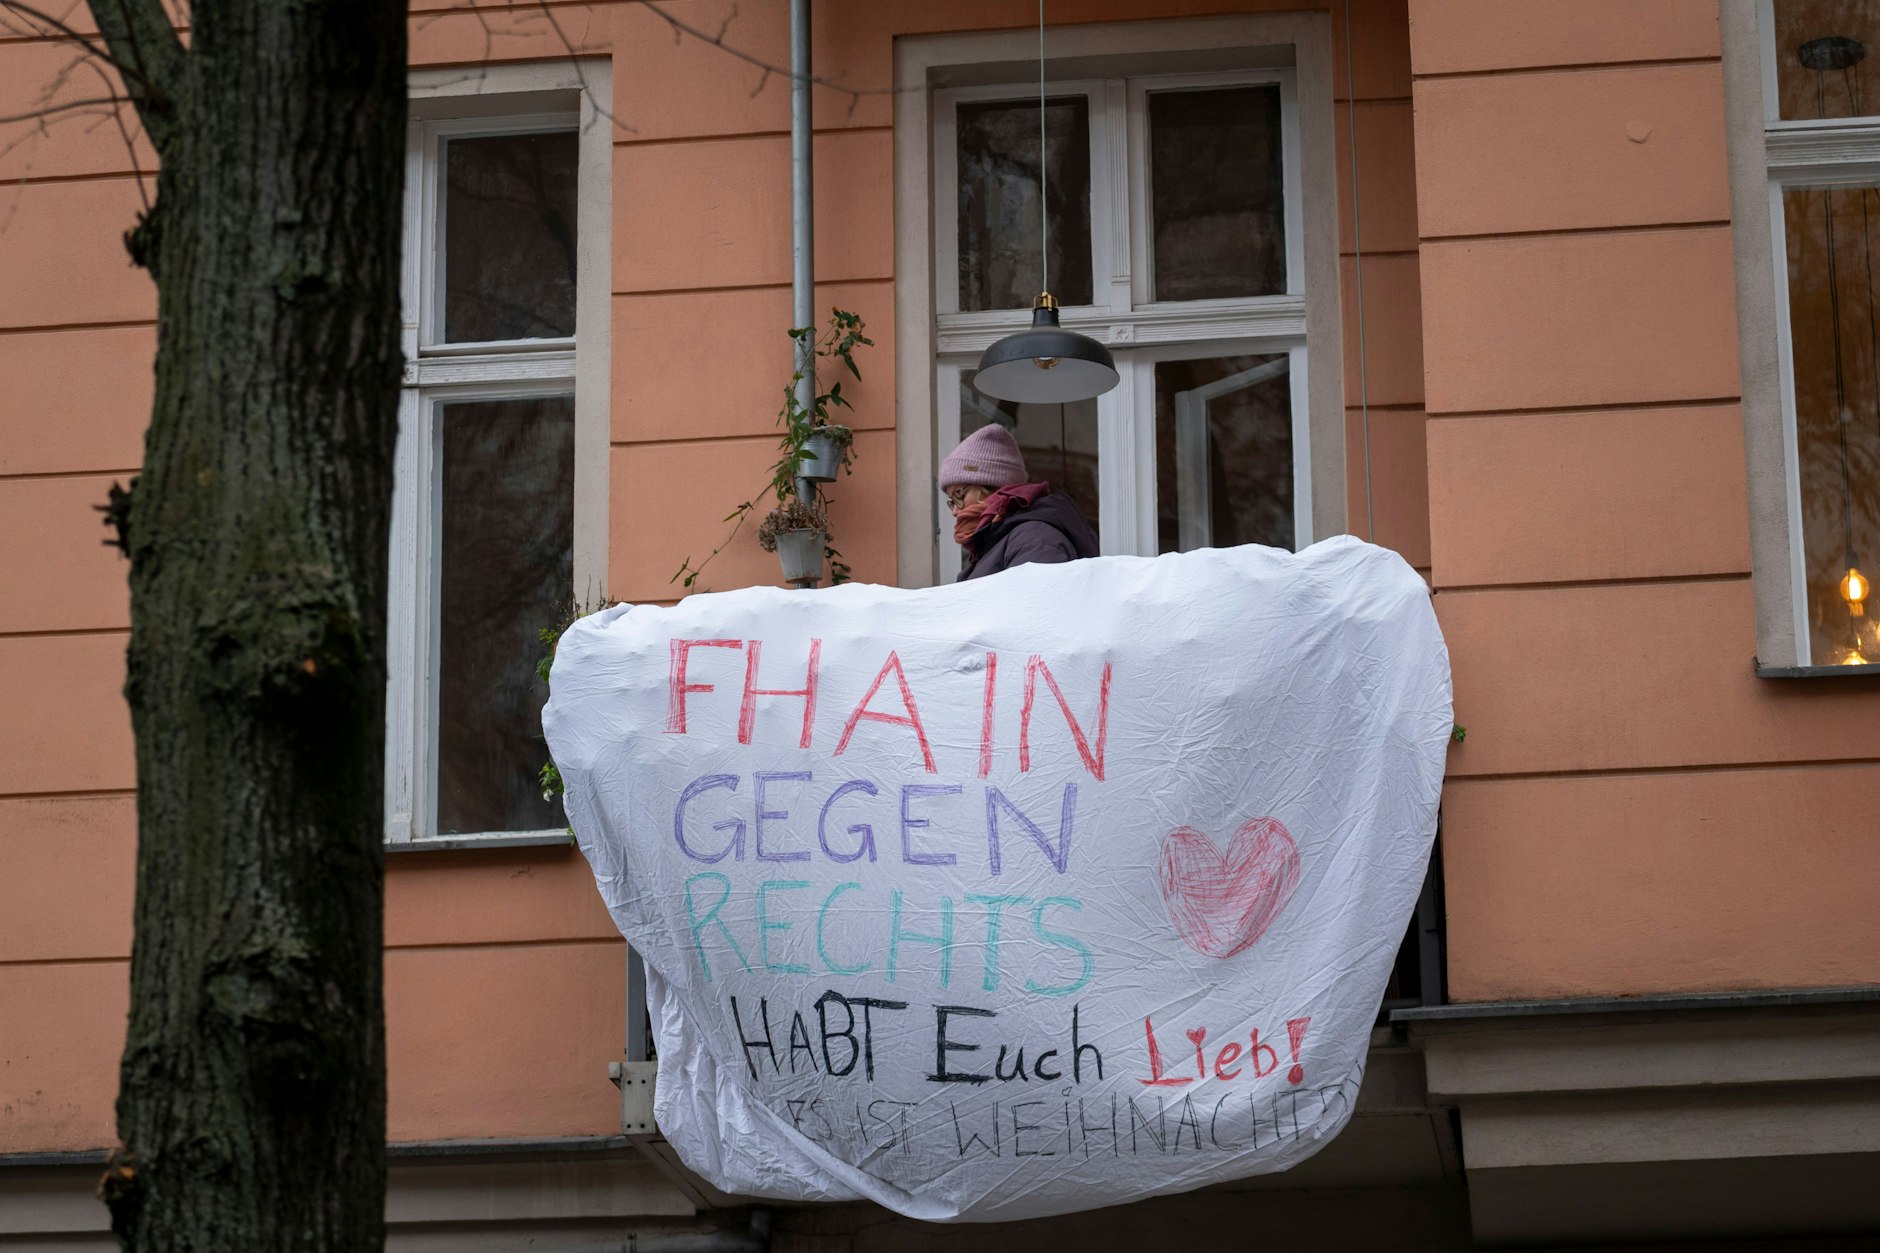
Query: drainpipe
[(802, 219)]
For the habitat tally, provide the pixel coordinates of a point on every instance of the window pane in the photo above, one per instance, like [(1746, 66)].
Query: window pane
[(999, 227), (1834, 329), (1223, 453), (507, 553), (509, 237), (1059, 441), (1216, 193), (1836, 79)]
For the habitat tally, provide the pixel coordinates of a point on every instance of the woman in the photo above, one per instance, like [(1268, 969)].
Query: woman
[(999, 519)]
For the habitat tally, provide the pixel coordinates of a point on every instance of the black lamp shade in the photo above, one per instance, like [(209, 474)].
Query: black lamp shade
[(1045, 365)]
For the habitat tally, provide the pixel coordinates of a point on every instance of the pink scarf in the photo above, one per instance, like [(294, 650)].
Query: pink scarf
[(973, 518)]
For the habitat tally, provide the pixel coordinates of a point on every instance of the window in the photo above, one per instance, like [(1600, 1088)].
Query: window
[(1191, 231), (499, 515), (1805, 135)]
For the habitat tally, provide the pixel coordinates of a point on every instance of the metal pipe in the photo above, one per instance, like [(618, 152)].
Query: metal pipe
[(802, 207), (802, 224)]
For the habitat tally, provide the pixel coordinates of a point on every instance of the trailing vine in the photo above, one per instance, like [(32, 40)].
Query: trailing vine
[(844, 335)]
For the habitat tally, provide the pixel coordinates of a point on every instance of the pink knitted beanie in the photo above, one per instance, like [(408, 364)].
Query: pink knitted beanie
[(989, 457)]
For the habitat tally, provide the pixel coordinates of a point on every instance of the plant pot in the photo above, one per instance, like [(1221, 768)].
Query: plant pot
[(822, 457), (801, 554)]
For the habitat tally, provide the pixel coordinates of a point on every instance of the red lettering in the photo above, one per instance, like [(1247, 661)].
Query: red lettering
[(679, 687), (1295, 1036), (1260, 1071), (747, 711), (910, 719), (1195, 1037), (1092, 762), (1155, 1079), (985, 719), (1228, 1053)]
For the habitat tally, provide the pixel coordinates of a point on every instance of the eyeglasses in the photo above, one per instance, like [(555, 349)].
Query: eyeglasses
[(956, 495)]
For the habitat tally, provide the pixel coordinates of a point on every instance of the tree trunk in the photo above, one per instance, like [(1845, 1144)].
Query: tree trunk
[(252, 1099)]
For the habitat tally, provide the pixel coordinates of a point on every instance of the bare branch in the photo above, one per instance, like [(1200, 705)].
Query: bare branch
[(146, 49), (64, 106), (718, 41), (39, 22)]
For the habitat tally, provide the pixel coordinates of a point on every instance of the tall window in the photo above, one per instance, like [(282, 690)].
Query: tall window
[(1177, 240), (495, 423), (1821, 65)]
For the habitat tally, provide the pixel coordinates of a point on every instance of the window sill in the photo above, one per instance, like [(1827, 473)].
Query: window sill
[(1815, 672), (458, 843)]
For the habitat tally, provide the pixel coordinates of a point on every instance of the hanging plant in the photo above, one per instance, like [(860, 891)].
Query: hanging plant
[(812, 447)]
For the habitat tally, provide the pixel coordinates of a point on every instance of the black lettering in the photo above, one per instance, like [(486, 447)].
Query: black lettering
[(1190, 1121), (864, 1051), (1037, 1067), (1018, 1066), (1214, 1123), (847, 1033), (1158, 1131), (943, 1046), (763, 1009), (1077, 1052), (1084, 1128), (965, 1141), (869, 1005), (799, 1039), (1020, 1127)]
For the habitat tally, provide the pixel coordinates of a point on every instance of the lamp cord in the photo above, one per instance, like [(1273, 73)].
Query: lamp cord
[(1044, 173)]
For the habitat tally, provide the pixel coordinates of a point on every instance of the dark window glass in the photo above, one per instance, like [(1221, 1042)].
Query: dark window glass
[(1223, 453), (1842, 80), (999, 224), (1216, 193), (509, 237), (1834, 335), (507, 556), (1059, 441)]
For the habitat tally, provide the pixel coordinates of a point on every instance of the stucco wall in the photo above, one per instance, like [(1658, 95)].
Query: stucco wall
[(1632, 811), (505, 979)]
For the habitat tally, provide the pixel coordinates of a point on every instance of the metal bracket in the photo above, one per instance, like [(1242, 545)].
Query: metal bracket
[(635, 1081)]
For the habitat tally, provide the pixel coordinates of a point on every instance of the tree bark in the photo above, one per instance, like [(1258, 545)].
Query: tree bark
[(252, 1100)]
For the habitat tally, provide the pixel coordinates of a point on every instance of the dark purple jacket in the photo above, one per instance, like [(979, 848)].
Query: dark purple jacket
[(1050, 530)]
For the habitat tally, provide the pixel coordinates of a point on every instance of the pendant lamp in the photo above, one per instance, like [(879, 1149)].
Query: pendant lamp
[(1045, 364)]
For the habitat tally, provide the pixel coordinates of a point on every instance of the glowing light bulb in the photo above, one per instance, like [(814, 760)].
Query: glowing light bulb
[(1853, 658), (1855, 588)]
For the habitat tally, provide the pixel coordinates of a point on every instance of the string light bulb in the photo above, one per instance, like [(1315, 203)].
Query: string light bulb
[(1855, 588)]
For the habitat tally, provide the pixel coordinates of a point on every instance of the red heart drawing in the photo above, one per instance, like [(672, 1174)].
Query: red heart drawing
[(1220, 904)]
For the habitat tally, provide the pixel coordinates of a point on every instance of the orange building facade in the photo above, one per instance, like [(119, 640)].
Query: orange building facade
[(1547, 311)]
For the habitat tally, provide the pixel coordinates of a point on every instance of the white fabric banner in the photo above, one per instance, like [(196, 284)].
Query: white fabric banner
[(1046, 891)]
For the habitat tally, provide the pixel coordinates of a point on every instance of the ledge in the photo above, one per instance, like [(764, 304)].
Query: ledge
[(505, 1147), (67, 1157), (395, 1150), (1489, 1010), (1814, 672), (451, 844)]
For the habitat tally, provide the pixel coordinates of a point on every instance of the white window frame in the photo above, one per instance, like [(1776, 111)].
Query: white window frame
[(498, 99), (1117, 64), (1769, 155)]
